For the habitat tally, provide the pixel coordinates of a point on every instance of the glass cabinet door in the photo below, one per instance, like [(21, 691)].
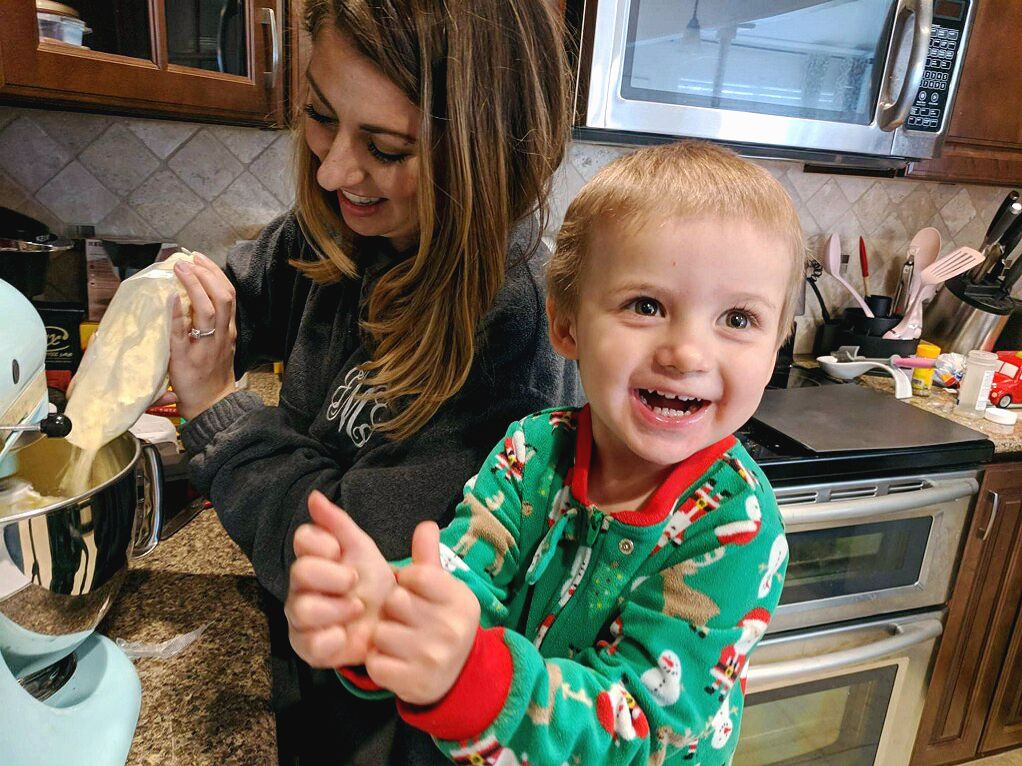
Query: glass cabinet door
[(811, 59), (207, 34), (119, 27), (220, 60)]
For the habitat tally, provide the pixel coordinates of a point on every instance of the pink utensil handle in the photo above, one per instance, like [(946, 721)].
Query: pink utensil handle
[(913, 361)]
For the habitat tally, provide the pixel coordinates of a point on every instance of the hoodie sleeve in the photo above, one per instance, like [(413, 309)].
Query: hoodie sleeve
[(669, 686), (267, 289)]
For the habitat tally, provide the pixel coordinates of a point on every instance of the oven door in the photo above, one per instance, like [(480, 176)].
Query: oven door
[(848, 696), (806, 75), (863, 548)]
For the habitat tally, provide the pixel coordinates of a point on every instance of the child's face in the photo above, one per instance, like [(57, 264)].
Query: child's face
[(676, 333)]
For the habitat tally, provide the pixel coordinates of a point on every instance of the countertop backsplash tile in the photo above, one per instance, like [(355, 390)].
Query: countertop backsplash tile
[(207, 186)]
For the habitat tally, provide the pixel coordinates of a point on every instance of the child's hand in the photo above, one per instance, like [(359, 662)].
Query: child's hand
[(427, 627), (338, 584)]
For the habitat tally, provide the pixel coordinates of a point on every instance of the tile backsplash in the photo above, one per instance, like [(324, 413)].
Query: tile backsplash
[(206, 186)]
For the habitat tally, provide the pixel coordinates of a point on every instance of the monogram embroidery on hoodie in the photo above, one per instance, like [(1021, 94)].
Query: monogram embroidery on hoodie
[(347, 404)]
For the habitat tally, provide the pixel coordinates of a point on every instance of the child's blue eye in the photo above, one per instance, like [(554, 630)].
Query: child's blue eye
[(647, 307)]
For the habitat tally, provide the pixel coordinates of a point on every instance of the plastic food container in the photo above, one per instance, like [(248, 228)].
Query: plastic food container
[(63, 28)]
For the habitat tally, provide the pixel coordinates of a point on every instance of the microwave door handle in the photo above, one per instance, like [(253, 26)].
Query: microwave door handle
[(808, 668), (871, 508), (893, 113)]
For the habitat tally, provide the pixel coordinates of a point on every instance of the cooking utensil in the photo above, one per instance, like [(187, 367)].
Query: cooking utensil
[(1005, 217), (815, 269), (923, 250), (852, 370), (953, 264), (832, 265), (1009, 242), (864, 265)]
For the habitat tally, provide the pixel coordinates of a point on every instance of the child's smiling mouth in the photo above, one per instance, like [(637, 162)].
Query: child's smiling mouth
[(664, 404)]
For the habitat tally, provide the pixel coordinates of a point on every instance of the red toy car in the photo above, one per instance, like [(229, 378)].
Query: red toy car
[(1007, 388)]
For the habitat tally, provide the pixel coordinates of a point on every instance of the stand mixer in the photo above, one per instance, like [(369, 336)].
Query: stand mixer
[(67, 694)]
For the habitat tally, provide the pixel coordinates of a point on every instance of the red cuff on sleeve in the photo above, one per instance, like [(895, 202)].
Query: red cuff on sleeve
[(359, 678), (476, 698)]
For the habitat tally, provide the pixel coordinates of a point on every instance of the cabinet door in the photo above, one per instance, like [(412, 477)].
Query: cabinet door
[(1004, 723), (981, 615), (212, 59), (984, 142)]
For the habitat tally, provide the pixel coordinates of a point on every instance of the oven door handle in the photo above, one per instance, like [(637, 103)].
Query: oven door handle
[(809, 668), (871, 508), (893, 112)]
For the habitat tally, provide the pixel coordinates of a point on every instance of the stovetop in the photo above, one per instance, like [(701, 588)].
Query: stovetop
[(787, 461)]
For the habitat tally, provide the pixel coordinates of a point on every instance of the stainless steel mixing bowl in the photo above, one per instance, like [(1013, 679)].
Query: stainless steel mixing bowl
[(62, 565)]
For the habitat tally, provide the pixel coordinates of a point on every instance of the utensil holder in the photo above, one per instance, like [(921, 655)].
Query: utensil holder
[(854, 328)]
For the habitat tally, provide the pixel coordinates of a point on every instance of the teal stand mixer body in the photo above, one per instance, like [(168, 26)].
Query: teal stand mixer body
[(67, 694)]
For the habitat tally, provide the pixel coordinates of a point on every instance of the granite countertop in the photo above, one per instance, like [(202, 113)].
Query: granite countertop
[(210, 703)]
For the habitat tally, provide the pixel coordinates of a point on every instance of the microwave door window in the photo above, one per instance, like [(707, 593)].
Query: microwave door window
[(806, 59), (835, 721)]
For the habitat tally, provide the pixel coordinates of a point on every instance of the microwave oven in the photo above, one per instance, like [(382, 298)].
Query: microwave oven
[(865, 83)]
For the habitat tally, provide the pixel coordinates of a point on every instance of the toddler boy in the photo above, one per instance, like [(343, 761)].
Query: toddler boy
[(610, 568)]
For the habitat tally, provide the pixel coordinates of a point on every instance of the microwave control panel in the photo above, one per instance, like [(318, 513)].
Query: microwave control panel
[(928, 110)]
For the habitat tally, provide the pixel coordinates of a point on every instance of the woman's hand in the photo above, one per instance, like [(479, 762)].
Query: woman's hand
[(427, 628), (338, 584), (202, 369)]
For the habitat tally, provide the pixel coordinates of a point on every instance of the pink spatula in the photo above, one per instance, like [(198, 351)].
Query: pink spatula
[(951, 265)]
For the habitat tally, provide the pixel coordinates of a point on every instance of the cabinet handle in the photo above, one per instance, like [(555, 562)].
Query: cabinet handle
[(268, 18), (984, 533)]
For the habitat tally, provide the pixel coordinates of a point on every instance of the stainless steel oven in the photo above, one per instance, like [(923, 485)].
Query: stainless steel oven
[(868, 547), (860, 82), (850, 695)]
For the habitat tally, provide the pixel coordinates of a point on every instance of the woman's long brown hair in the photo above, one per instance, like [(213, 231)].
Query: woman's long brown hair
[(490, 78)]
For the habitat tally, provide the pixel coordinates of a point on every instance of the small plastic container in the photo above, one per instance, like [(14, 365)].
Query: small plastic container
[(1001, 421), (974, 392), (62, 28), (922, 377)]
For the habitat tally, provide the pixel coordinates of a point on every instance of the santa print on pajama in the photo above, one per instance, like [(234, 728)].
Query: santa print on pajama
[(590, 664), (732, 660)]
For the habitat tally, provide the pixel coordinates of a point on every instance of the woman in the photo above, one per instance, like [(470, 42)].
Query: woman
[(403, 292)]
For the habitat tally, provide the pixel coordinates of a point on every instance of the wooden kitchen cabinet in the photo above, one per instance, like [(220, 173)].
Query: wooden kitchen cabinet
[(216, 60), (984, 143), (974, 703)]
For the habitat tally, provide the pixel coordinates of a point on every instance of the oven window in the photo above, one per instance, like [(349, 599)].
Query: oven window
[(837, 721), (810, 59), (855, 559)]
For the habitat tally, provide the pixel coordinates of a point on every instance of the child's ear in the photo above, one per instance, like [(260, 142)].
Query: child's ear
[(562, 331)]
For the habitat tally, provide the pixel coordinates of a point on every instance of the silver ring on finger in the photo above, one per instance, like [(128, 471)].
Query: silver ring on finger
[(195, 333)]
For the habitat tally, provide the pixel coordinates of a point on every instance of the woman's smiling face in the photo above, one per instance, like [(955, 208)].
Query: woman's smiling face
[(364, 131)]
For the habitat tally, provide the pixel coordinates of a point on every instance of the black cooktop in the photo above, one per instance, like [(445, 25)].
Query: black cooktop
[(787, 461)]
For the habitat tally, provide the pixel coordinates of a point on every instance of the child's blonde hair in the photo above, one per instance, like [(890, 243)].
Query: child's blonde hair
[(689, 178)]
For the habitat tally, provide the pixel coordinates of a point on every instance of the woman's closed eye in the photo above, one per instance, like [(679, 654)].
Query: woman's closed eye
[(318, 116), (387, 158)]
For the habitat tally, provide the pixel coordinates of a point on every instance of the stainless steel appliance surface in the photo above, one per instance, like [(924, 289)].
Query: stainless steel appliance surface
[(846, 695), (874, 528), (861, 548), (973, 309), (866, 83)]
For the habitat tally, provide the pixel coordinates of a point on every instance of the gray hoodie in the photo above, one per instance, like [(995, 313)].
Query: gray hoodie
[(258, 463)]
